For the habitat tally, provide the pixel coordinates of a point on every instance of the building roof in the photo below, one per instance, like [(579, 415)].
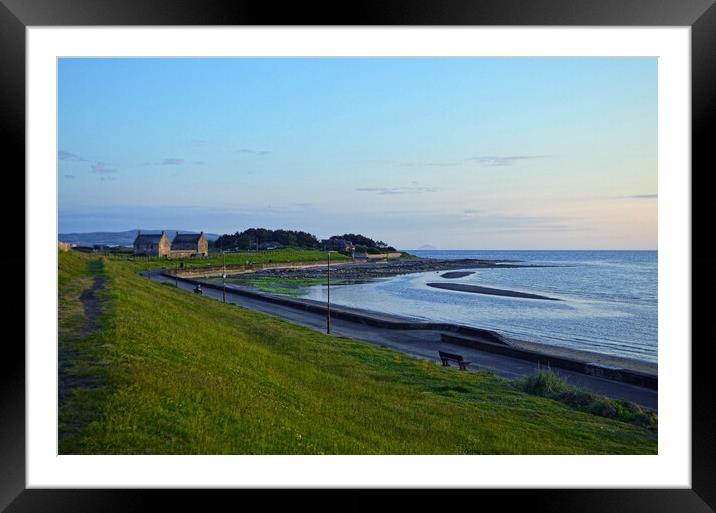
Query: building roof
[(148, 238), (187, 238)]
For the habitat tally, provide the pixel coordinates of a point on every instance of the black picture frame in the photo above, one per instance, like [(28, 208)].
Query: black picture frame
[(700, 15)]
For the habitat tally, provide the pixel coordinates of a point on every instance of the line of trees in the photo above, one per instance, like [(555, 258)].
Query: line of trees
[(254, 237)]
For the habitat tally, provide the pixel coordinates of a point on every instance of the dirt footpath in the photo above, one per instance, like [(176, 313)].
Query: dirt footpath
[(69, 349), (91, 305)]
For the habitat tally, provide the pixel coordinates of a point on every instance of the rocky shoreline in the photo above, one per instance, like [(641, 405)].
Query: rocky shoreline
[(372, 270)]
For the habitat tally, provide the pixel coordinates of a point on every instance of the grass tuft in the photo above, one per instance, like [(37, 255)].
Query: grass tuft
[(546, 383)]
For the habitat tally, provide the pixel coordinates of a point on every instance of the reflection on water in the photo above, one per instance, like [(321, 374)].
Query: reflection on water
[(609, 298)]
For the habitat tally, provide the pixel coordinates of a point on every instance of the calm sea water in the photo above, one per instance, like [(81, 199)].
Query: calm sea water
[(609, 298)]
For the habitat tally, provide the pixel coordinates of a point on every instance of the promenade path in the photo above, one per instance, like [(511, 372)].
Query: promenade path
[(423, 344)]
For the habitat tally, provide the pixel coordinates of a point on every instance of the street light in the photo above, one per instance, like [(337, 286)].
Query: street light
[(223, 275), (328, 303)]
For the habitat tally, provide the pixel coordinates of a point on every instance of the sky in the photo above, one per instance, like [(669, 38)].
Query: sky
[(456, 153)]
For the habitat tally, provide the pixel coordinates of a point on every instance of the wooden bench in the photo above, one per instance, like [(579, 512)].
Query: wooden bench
[(446, 357)]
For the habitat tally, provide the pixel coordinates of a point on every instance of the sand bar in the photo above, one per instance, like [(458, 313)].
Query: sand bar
[(456, 274), (475, 289)]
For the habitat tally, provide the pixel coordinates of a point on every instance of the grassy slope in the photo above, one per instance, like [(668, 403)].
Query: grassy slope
[(260, 257), (179, 373)]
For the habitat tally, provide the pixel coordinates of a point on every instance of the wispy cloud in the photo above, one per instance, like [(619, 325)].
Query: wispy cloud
[(640, 196), (198, 142), (397, 190), (70, 177), (485, 160), (415, 163), (482, 220), (169, 161), (172, 162), (492, 160), (101, 168), (66, 155), (253, 152)]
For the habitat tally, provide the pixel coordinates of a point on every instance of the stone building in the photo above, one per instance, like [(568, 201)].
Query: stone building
[(152, 244), (189, 245)]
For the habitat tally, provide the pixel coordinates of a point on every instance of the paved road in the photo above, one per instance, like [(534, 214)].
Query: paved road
[(424, 344)]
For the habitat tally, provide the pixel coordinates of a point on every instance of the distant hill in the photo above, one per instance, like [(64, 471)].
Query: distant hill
[(118, 238), (426, 247)]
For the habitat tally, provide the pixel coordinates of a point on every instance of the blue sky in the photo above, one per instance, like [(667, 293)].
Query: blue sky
[(483, 153)]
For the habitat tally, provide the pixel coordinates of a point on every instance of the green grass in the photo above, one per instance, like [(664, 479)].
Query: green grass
[(176, 373), (286, 255), (276, 285), (74, 276)]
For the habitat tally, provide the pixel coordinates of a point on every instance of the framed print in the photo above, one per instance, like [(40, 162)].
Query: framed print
[(240, 244)]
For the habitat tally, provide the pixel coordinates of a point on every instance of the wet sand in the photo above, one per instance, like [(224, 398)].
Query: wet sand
[(461, 287), (588, 356), (456, 274)]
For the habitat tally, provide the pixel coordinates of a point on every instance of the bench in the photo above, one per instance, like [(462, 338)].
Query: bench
[(446, 357)]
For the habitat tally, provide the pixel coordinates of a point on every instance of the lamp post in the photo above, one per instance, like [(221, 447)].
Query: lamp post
[(176, 276), (223, 275), (328, 303)]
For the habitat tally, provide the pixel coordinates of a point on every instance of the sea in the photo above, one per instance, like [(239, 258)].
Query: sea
[(608, 298)]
